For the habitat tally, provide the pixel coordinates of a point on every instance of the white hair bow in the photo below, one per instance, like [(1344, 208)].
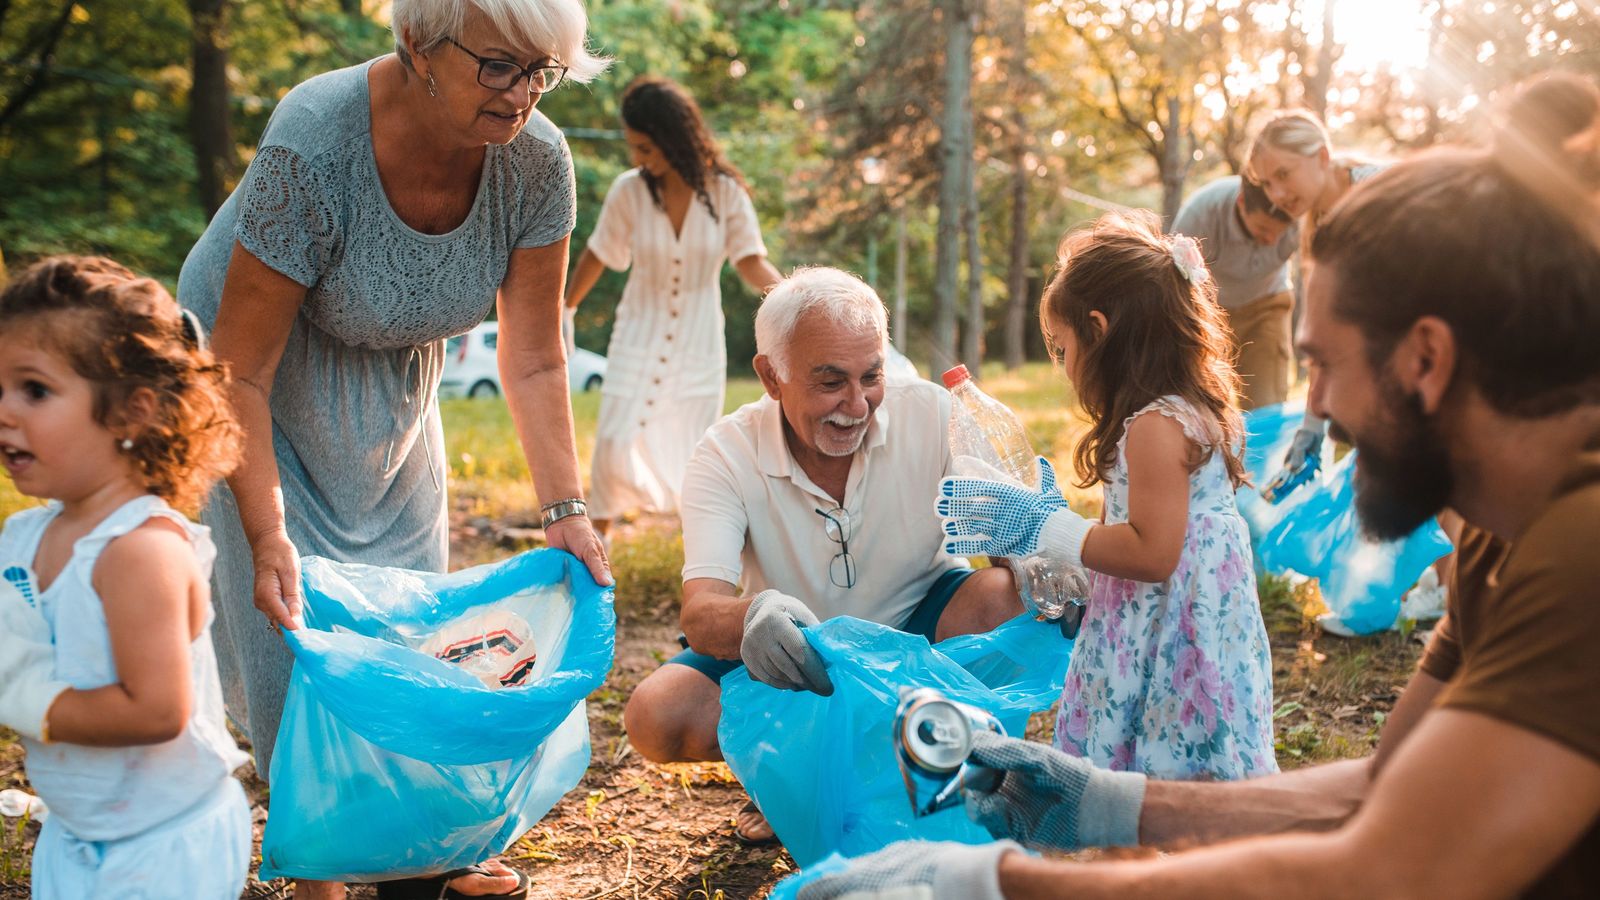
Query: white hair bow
[(1187, 257)]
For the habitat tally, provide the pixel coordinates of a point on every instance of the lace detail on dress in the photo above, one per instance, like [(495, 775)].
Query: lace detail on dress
[(373, 281), (552, 212), (285, 217), (1196, 428)]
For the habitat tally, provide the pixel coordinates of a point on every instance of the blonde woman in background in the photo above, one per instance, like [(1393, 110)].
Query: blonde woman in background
[(1293, 160)]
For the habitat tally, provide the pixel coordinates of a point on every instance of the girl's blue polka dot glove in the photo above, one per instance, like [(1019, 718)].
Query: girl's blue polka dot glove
[(994, 518)]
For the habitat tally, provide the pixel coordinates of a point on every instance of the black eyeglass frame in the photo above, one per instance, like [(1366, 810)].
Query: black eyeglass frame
[(528, 72), (843, 540)]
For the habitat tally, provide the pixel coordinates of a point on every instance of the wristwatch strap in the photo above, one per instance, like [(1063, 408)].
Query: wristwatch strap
[(550, 513)]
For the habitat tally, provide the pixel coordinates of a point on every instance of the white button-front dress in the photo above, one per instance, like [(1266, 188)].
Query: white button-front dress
[(668, 360)]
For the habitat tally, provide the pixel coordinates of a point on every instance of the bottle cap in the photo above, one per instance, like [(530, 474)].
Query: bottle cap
[(955, 376)]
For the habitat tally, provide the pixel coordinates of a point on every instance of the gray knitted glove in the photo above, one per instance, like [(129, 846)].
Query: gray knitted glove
[(776, 651), (917, 869), (1048, 799)]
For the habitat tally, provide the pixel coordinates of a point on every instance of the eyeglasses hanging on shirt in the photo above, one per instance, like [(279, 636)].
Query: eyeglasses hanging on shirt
[(842, 568)]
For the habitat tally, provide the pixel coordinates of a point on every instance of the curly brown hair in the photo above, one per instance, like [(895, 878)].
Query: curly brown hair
[(661, 110), (1163, 335), (125, 334)]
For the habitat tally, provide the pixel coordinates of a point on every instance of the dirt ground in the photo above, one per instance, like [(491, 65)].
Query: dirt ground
[(634, 829)]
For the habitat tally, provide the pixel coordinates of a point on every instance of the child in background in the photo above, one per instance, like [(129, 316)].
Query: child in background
[(111, 409), (1171, 673)]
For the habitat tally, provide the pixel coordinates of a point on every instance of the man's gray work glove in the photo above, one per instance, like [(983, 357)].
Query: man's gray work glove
[(1301, 463), (776, 651), (1048, 799), (917, 870)]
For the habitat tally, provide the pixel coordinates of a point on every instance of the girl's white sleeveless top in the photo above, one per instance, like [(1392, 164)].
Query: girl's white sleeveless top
[(109, 793)]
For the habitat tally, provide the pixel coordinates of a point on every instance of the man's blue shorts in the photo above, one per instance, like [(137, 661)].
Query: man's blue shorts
[(924, 621)]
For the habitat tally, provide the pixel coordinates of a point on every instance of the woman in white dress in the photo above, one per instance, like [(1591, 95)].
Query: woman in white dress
[(674, 219)]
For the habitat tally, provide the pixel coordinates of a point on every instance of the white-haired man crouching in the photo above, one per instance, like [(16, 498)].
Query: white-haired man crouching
[(810, 503)]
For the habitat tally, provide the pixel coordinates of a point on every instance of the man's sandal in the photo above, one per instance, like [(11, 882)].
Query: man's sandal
[(746, 839), (437, 887)]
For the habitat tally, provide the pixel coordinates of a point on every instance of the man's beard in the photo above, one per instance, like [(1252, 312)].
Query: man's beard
[(1403, 475)]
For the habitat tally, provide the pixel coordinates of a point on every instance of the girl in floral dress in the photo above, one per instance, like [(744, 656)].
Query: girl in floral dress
[(1171, 673)]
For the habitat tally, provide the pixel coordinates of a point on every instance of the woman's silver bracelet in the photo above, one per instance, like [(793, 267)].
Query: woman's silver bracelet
[(550, 513)]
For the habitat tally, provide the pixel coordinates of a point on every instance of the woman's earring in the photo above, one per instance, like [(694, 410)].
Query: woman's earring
[(433, 89), (127, 443)]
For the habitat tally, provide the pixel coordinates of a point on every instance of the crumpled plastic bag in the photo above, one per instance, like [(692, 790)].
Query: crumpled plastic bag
[(392, 761), (1315, 530), (15, 804), (823, 769)]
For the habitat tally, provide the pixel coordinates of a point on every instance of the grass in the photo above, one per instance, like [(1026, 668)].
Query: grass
[(16, 862), (488, 470)]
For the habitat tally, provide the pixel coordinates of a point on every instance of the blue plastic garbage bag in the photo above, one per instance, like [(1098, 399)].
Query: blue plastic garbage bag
[(1362, 580), (1268, 432), (392, 761), (823, 769), (1315, 530)]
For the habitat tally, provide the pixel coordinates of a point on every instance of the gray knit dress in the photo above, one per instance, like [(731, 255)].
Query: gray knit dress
[(355, 418)]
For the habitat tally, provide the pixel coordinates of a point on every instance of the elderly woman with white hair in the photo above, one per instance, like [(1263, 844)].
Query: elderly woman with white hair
[(389, 206)]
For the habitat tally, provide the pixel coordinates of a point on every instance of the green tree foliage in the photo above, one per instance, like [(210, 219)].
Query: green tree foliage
[(96, 155), (756, 70), (98, 158)]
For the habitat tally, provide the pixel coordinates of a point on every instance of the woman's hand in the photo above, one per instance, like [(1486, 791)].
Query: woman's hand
[(576, 535), (277, 589)]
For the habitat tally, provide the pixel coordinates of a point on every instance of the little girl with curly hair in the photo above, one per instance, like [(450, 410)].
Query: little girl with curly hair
[(112, 410), (1171, 673)]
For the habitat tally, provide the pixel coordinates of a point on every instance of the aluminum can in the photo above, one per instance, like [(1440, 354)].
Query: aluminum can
[(932, 739)]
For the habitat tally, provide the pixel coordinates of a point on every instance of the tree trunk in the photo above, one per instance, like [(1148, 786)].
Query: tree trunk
[(953, 152), (351, 8), (1017, 271), (1174, 163), (902, 336), (210, 121), (972, 335), (1327, 53), (102, 122)]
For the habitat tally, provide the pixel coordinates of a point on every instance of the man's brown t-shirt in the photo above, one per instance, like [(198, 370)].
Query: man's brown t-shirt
[(1521, 641)]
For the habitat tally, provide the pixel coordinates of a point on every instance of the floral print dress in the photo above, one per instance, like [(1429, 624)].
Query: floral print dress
[(1175, 679)]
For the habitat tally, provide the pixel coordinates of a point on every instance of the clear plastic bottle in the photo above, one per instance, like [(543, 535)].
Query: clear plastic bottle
[(987, 441)]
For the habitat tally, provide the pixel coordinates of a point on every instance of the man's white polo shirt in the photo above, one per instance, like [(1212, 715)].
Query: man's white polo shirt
[(750, 512)]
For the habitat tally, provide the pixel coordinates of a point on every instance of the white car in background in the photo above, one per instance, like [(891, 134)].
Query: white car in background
[(470, 369)]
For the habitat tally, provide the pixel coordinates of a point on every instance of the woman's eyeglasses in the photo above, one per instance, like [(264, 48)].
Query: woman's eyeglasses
[(501, 74), (842, 568)]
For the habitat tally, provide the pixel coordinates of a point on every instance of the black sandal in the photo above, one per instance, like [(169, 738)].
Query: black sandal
[(746, 840), (437, 887)]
